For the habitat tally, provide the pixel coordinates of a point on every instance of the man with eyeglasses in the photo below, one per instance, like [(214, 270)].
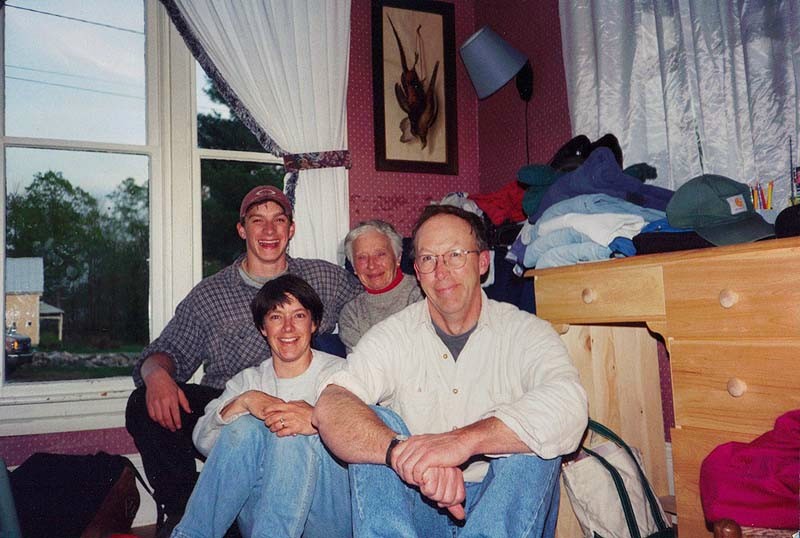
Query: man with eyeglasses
[(477, 402)]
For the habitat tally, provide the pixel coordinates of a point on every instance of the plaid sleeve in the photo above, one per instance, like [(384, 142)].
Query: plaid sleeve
[(183, 339), (348, 289)]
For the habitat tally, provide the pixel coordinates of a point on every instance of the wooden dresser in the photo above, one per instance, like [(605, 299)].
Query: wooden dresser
[(730, 317)]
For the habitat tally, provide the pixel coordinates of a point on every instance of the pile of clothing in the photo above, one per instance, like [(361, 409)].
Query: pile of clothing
[(582, 206)]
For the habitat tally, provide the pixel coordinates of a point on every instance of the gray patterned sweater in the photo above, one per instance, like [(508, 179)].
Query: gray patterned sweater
[(368, 309)]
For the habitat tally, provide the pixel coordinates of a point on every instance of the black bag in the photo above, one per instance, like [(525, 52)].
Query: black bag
[(75, 496)]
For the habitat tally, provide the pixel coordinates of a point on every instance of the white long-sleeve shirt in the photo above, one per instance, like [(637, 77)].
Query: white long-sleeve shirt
[(262, 378), (513, 367)]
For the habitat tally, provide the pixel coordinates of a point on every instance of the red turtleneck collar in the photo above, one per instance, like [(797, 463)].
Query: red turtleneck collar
[(398, 277)]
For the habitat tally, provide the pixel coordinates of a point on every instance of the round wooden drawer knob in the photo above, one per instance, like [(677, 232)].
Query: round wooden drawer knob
[(588, 295), (561, 328), (728, 298), (736, 387)]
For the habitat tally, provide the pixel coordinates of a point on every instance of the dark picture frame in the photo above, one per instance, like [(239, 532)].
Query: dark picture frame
[(416, 127)]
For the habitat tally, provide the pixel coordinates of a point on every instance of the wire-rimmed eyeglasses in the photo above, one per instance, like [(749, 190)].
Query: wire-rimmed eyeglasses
[(455, 259)]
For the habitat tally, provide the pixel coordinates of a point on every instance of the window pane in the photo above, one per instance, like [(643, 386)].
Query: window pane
[(224, 184), (76, 274), (75, 69), (217, 127)]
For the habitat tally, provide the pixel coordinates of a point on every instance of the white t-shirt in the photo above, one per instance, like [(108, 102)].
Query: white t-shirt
[(263, 378)]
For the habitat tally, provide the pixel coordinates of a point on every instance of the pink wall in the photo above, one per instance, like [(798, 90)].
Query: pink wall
[(16, 448), (393, 196), (491, 134), (533, 28)]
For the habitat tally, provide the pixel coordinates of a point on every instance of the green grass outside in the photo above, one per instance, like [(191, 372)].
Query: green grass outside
[(49, 342)]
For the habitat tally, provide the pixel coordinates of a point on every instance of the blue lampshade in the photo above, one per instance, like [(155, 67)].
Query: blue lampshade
[(490, 61)]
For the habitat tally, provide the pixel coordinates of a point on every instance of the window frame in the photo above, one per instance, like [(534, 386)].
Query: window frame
[(175, 228)]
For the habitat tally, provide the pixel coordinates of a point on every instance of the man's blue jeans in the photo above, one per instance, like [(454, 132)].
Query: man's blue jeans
[(275, 487), (517, 498)]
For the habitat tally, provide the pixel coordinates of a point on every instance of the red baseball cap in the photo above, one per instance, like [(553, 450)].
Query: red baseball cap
[(265, 193)]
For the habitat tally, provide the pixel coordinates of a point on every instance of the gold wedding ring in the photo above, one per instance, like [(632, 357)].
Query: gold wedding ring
[(283, 422)]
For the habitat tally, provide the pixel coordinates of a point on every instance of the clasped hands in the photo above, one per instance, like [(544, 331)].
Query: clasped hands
[(282, 418), (431, 462)]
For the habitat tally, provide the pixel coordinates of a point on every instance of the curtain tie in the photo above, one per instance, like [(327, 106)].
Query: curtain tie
[(295, 162)]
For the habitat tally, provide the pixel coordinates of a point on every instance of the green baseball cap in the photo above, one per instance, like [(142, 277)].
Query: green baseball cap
[(719, 209)]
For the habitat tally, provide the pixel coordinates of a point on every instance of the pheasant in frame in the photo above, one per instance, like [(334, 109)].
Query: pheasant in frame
[(419, 103)]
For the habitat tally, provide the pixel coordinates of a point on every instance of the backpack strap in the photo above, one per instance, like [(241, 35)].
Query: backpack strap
[(652, 501), (624, 498), (139, 478), (128, 463)]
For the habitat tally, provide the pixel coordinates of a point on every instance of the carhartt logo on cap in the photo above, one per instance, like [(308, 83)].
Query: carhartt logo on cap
[(737, 204)]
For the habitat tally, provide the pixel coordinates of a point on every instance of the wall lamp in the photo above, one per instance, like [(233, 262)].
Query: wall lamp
[(491, 62)]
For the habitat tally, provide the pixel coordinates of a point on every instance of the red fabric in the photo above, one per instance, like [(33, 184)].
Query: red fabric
[(756, 484), (398, 277), (502, 205)]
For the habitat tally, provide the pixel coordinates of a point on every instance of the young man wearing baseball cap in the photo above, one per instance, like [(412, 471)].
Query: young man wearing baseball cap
[(212, 326)]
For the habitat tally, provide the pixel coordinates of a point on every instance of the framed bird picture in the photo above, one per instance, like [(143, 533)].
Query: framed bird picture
[(414, 86)]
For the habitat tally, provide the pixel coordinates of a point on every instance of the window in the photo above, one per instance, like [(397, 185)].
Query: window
[(86, 81), (97, 121), (77, 243), (217, 127), (121, 147), (231, 163), (76, 188)]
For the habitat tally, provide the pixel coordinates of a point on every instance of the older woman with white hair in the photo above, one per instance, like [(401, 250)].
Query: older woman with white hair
[(374, 249)]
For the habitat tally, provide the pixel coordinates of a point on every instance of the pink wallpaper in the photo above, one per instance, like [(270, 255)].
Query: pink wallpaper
[(533, 28), (491, 133), (16, 448), (394, 196)]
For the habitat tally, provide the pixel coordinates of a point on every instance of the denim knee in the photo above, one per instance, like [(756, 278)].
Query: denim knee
[(244, 430), (391, 419)]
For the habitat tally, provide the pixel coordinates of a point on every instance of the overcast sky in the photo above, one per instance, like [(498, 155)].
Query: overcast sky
[(75, 69)]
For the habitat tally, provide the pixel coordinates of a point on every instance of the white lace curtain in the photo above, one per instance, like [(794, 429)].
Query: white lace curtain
[(690, 86), (286, 62)]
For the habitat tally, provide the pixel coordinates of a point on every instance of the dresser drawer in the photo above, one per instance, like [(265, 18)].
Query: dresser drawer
[(600, 294), (740, 386), (741, 294)]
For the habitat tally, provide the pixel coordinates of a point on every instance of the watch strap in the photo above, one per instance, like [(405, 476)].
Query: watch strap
[(396, 440)]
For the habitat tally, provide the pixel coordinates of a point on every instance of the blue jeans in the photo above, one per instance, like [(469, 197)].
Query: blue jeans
[(517, 498), (274, 486)]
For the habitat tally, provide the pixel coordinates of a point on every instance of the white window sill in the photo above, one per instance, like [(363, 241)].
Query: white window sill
[(34, 408)]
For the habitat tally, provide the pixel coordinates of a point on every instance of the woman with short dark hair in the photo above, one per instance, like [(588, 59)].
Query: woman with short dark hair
[(267, 468)]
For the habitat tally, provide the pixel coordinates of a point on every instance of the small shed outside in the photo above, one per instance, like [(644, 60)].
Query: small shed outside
[(24, 288), (48, 311)]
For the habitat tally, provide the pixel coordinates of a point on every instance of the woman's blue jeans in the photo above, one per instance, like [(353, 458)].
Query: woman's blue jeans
[(274, 486), (518, 498)]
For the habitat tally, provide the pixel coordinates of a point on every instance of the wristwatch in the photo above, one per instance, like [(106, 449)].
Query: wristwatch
[(396, 440)]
